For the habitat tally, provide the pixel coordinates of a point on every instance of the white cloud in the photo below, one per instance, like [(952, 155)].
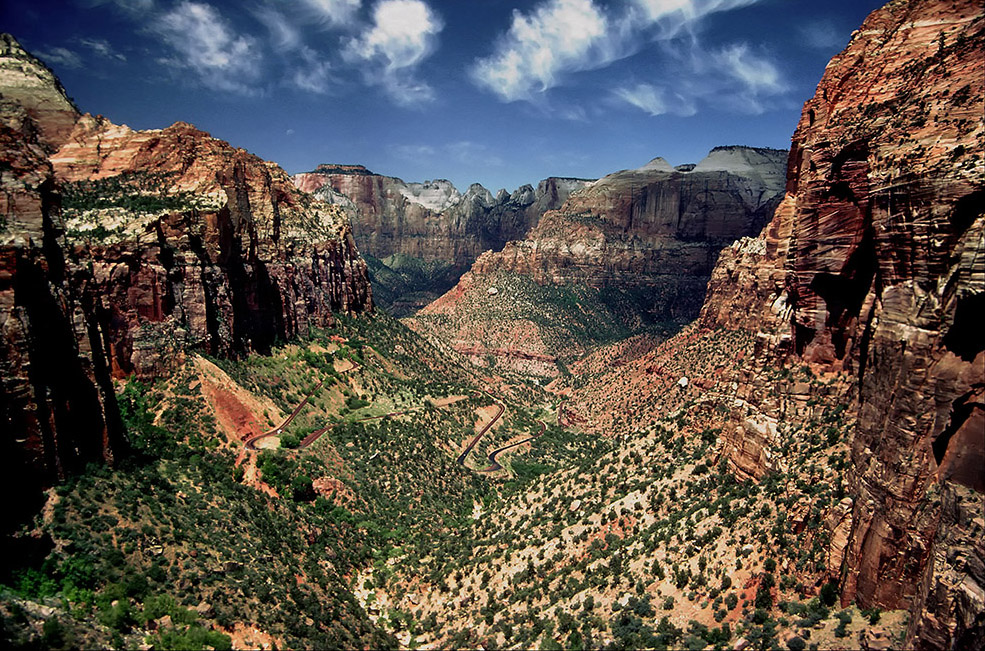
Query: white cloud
[(102, 48), (658, 100), (334, 12), (206, 44), (757, 74), (681, 12), (822, 35), (283, 34), (60, 56), (402, 35), (413, 152), (559, 38), (133, 7), (645, 97), (314, 73), (463, 152)]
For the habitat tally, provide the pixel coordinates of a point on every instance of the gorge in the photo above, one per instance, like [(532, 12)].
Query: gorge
[(736, 404)]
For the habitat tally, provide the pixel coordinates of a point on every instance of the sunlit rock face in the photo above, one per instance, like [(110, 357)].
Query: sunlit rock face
[(29, 83), (234, 258), (639, 245), (121, 250), (429, 227), (873, 268)]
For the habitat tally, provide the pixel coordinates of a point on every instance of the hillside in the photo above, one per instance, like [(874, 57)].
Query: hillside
[(630, 253), (737, 405)]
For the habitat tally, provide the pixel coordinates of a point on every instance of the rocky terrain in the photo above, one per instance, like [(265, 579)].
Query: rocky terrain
[(631, 251), (869, 277), (123, 250), (551, 456), (419, 238)]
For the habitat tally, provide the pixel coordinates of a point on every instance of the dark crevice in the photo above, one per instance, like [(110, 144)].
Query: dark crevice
[(844, 293), (960, 411), (964, 337)]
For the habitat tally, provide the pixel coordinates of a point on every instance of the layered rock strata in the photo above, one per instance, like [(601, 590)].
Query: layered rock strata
[(873, 268), (121, 250), (228, 256), (429, 232), (57, 405), (638, 245)]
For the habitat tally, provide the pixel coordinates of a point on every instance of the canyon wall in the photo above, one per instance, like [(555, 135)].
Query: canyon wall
[(421, 237), (631, 251), (873, 269), (121, 250)]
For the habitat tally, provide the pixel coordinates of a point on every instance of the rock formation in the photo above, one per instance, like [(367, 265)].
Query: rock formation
[(421, 237), (57, 405), (29, 83), (228, 257), (636, 247), (120, 250), (872, 268)]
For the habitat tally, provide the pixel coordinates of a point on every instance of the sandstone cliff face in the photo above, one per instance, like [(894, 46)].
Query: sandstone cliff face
[(654, 226), (232, 257), (26, 81), (57, 406), (872, 268), (428, 232), (631, 250), (121, 250)]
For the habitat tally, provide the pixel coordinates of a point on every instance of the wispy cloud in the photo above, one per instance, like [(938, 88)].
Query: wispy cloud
[(403, 33), (545, 48), (462, 152), (60, 56), (284, 35), (645, 97), (822, 35), (102, 48), (133, 7), (333, 13), (313, 72), (206, 44), (755, 74)]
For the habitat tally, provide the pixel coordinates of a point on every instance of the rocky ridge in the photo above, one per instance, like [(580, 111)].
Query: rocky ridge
[(124, 249), (648, 237), (861, 297), (421, 237)]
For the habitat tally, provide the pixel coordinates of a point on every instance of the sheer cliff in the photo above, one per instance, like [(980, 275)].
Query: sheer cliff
[(120, 250), (419, 238), (630, 251), (871, 271)]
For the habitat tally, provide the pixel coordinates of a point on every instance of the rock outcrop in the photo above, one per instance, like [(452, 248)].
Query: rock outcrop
[(224, 254), (120, 250), (872, 269), (635, 248), (57, 405), (29, 83), (421, 237)]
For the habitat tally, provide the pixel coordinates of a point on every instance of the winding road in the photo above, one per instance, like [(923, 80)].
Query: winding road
[(251, 442), (495, 453), (477, 437)]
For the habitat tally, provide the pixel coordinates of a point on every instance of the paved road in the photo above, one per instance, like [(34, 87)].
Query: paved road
[(495, 453), (475, 439)]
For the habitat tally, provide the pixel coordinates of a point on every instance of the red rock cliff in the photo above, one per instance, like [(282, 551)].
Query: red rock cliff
[(873, 267), (57, 405), (120, 251), (235, 258)]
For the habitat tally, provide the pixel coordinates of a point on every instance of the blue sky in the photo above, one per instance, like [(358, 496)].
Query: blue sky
[(503, 93)]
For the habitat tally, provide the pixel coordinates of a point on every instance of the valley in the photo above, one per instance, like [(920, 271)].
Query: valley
[(736, 404)]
